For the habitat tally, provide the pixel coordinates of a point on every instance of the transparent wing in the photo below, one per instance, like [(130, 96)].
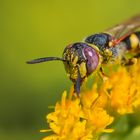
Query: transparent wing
[(125, 28)]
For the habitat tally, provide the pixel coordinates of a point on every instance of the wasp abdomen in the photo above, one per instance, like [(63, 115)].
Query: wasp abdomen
[(133, 41)]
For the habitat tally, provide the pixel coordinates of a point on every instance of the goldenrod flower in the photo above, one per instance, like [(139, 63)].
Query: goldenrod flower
[(124, 89), (73, 121), (93, 109), (85, 118)]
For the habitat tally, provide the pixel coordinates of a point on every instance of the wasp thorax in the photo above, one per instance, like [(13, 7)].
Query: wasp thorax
[(100, 40), (80, 55)]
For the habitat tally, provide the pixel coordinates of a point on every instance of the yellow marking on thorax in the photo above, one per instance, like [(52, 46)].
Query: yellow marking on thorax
[(95, 47), (134, 41), (83, 70)]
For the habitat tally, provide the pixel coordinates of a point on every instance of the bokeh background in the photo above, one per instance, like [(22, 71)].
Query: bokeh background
[(37, 28)]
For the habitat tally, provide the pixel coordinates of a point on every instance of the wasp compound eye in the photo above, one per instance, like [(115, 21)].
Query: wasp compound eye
[(92, 59)]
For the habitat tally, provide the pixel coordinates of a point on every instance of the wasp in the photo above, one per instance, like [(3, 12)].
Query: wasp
[(81, 59)]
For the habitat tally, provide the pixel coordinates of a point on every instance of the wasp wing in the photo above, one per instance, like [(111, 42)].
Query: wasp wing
[(125, 28)]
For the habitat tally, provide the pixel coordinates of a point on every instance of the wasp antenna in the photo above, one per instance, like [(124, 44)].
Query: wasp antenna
[(78, 83), (40, 60)]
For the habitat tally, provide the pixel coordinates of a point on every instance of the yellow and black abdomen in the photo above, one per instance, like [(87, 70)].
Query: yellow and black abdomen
[(133, 42)]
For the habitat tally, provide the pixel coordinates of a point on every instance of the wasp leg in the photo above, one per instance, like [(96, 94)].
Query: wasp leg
[(123, 61), (137, 56), (103, 75), (128, 62), (131, 61), (78, 83)]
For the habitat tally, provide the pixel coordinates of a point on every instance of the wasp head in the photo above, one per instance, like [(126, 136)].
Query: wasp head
[(80, 60), (80, 56)]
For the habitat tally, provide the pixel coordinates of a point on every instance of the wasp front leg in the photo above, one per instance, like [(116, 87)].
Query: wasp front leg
[(103, 76)]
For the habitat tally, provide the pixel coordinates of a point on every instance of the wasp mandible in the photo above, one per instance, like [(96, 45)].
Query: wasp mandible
[(81, 59)]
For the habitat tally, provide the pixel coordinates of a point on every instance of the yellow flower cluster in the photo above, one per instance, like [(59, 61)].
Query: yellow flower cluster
[(124, 89), (75, 120), (85, 118)]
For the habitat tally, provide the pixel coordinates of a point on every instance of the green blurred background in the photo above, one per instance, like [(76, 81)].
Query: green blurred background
[(31, 29)]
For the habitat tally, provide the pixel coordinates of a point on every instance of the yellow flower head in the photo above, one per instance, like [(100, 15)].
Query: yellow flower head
[(74, 120), (93, 104), (124, 89)]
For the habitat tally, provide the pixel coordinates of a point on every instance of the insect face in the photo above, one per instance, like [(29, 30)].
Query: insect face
[(80, 60), (80, 56)]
